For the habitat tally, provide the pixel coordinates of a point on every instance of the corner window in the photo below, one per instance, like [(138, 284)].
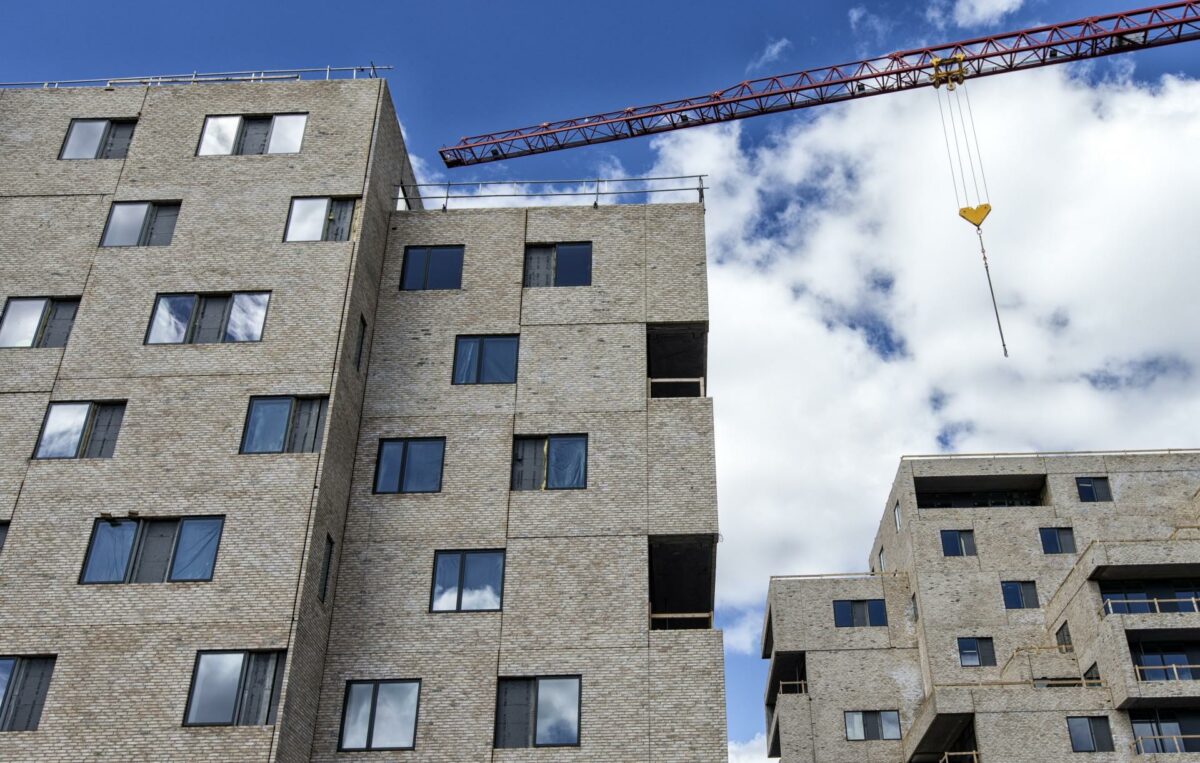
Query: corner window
[(234, 689), (1093, 489), (80, 430), (284, 425), (553, 462), (208, 318), (326, 568), (896, 515), (24, 684), (380, 715), (98, 139), (319, 219), (37, 321), (412, 465), (1019, 594), (431, 267), (976, 652), (140, 223), (1062, 637), (538, 712), (485, 359), (277, 134), (1090, 734), (882, 561), (566, 264), (866, 725), (860, 613), (958, 543), (152, 550), (1057, 540), (467, 581)]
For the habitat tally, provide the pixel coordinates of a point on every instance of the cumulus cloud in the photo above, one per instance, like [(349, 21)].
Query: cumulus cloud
[(743, 635), (769, 54), (970, 12), (753, 751), (868, 25)]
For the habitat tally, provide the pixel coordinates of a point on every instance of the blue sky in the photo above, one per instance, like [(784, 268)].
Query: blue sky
[(871, 336)]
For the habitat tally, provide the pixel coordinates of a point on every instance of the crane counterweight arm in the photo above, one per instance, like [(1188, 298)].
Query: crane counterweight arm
[(1027, 49)]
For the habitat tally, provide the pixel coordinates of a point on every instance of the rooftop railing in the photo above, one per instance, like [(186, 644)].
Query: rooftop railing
[(499, 193), (1051, 453), (371, 71)]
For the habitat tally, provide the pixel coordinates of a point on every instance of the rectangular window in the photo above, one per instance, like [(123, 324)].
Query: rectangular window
[(37, 321), (488, 359), (208, 318), (24, 683), (565, 264), (865, 725), (958, 543), (379, 715), (1093, 489), (860, 613), (319, 219), (553, 462), (467, 581), (3, 534), (428, 268), (1062, 637), (140, 223), (1019, 594), (1090, 734), (882, 560), (98, 139), (284, 424), (1057, 540), (896, 515), (412, 465), (80, 430), (538, 712), (362, 343), (976, 652), (270, 134), (326, 566), (152, 550), (234, 689)]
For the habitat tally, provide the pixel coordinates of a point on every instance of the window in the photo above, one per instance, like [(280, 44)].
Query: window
[(1091, 676), (558, 264), (554, 462), (1062, 637), (872, 724), (278, 134), (319, 219), (428, 268), (485, 359), (979, 491), (467, 581), (234, 689), (3, 534), (98, 139), (24, 683), (976, 652), (958, 543), (284, 424), (1165, 730), (80, 430), (362, 343), (326, 565), (859, 613), (412, 465), (1057, 540), (37, 321), (1019, 594), (896, 515), (140, 223), (380, 715), (915, 611), (208, 318), (882, 560), (538, 712), (152, 550), (1090, 734), (1093, 489)]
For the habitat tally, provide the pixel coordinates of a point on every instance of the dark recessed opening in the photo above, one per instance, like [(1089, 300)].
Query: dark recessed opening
[(677, 359), (681, 581), (966, 492)]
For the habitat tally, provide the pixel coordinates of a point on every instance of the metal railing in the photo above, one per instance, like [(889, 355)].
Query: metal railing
[(1112, 606), (843, 575), (1173, 670), (1163, 743), (793, 687), (960, 757), (698, 382), (958, 456), (582, 188), (1037, 683), (371, 71)]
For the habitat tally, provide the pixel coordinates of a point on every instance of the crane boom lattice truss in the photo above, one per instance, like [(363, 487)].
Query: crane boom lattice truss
[(1027, 49)]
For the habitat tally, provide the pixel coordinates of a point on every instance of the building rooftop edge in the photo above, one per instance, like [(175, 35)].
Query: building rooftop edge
[(1052, 454)]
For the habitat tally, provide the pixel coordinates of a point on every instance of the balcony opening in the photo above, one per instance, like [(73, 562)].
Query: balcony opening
[(682, 581), (789, 675), (949, 739), (983, 491), (677, 359), (1165, 655), (1165, 730), (1149, 596)]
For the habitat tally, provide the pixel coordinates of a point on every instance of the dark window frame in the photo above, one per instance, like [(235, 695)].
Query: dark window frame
[(241, 133), (881, 738), (193, 319), (135, 550), (1098, 744), (85, 436), (961, 545), (985, 656), (104, 138), (1021, 590), (1100, 487), (375, 683), (429, 254), (147, 222), (16, 683), (360, 350), (869, 605), (1057, 535), (287, 223), (273, 700), (39, 334), (290, 430), (554, 245), (326, 567), (534, 715), (404, 465), (548, 438), (483, 340), (462, 571)]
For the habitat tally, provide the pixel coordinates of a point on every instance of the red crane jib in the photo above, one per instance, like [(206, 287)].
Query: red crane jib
[(1026, 49)]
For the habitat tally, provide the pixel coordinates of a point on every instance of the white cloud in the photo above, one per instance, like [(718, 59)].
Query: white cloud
[(868, 25), (753, 751), (972, 12), (770, 54), (744, 634), (847, 297)]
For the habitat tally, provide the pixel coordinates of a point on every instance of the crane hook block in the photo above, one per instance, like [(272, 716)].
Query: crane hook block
[(975, 215)]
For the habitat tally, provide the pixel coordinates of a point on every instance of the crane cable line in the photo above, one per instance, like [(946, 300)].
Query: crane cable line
[(951, 73)]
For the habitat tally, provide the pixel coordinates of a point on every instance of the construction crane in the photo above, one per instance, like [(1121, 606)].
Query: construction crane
[(1094, 37)]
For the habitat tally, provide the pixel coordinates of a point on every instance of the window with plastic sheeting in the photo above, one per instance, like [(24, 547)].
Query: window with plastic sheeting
[(1019, 594), (467, 581), (411, 465), (284, 424), (235, 689), (37, 321), (538, 712), (551, 462), (562, 264), (98, 139), (246, 135), (152, 550), (24, 684), (80, 430), (490, 359)]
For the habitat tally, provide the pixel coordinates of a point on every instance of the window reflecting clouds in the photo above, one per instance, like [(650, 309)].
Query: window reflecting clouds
[(395, 715), (246, 317), (215, 687), (63, 430), (169, 324), (267, 427), (307, 220), (125, 223), (356, 717), (557, 711), (220, 133), (447, 569), (83, 139), (483, 576), (21, 320), (287, 132)]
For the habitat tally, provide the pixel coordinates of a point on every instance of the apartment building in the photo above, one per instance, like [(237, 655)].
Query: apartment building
[(1017, 608), (292, 469)]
